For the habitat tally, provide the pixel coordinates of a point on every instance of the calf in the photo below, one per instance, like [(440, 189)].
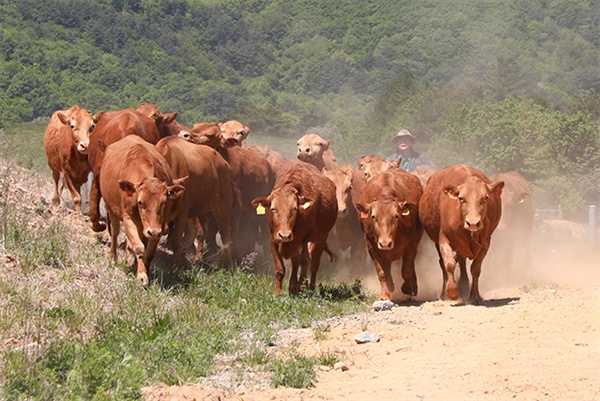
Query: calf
[(347, 232), (66, 142), (208, 197), (111, 127), (389, 210), (460, 209), (315, 150), (137, 188), (301, 210), (252, 176), (513, 235)]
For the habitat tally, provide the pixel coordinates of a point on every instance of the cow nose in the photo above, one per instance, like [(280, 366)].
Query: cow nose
[(383, 245), (285, 236), (153, 233), (473, 225), (82, 147)]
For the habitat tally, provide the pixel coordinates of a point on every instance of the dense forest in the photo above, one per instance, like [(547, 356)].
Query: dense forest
[(499, 84)]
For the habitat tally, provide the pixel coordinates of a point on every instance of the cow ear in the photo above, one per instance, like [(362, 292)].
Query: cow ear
[(408, 208), (496, 188), (63, 118), (396, 163), (326, 144), (96, 116), (169, 118), (451, 191), (260, 201), (175, 191), (363, 209), (181, 181), (127, 187)]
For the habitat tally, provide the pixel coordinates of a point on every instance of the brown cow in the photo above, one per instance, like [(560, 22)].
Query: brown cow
[(513, 235), (372, 165), (460, 209), (315, 150), (252, 175), (208, 196), (347, 232), (137, 188), (66, 142), (389, 216), (423, 172), (301, 211), (165, 123), (235, 131), (111, 127)]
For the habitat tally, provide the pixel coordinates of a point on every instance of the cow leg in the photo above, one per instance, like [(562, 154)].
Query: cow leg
[(55, 195), (409, 287), (474, 297), (294, 282), (95, 196), (137, 246), (223, 222), (114, 229), (463, 282), (199, 239), (448, 264), (75, 194), (279, 267), (383, 270), (150, 252), (315, 250)]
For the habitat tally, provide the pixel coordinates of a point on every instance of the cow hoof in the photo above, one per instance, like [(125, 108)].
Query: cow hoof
[(98, 226), (143, 279)]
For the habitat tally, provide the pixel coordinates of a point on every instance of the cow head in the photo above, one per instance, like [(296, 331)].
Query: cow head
[(343, 189), (81, 123), (151, 197), (382, 219), (283, 207), (311, 148), (373, 165), (204, 134), (472, 198), (234, 132)]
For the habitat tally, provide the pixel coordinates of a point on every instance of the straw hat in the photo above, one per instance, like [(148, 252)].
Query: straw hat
[(403, 133)]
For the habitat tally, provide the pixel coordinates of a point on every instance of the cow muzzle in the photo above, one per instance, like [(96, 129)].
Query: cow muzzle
[(82, 147), (473, 225), (284, 236), (153, 233), (385, 245)]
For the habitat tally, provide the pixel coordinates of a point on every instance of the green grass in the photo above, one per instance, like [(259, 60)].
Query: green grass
[(24, 144)]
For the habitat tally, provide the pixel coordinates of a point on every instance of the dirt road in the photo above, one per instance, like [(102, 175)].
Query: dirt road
[(537, 338)]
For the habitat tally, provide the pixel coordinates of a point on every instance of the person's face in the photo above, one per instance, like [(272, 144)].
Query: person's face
[(404, 144)]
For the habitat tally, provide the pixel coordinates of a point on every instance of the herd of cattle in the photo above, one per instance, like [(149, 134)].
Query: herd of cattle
[(158, 177)]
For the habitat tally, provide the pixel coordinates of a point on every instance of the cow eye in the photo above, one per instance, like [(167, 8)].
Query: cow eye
[(72, 126), (461, 199), (486, 197), (273, 210), (140, 203), (92, 126)]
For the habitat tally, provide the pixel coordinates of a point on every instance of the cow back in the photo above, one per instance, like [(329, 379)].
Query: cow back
[(116, 125)]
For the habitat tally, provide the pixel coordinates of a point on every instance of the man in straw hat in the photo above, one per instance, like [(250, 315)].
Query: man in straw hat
[(409, 158)]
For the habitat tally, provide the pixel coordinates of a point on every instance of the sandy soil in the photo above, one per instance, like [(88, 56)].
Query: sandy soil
[(536, 338)]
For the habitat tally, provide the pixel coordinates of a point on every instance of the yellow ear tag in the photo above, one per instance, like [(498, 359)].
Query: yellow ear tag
[(405, 212), (306, 205), (260, 209)]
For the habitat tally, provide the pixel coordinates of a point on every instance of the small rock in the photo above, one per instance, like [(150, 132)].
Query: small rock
[(324, 368), (382, 305), (366, 337), (341, 366)]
